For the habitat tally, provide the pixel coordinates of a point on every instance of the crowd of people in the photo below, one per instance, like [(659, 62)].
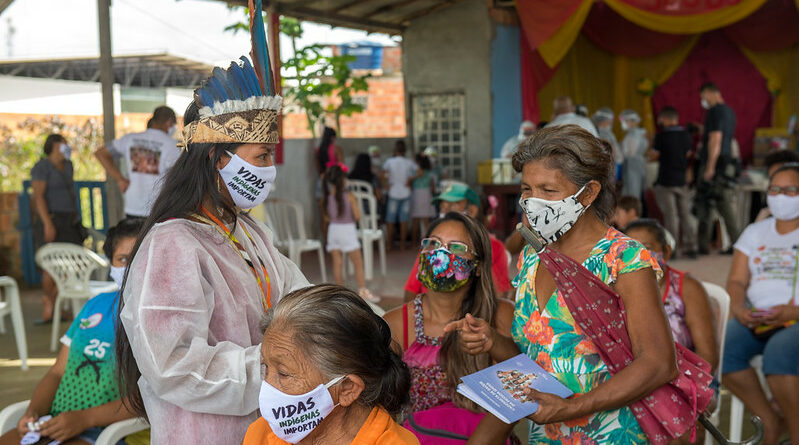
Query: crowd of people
[(216, 337)]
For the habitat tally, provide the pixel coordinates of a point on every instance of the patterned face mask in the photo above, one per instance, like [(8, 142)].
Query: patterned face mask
[(551, 219), (442, 271)]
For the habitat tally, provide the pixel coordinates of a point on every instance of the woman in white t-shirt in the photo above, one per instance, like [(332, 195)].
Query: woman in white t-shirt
[(763, 293)]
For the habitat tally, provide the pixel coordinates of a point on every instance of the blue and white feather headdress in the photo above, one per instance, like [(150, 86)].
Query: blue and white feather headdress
[(239, 105)]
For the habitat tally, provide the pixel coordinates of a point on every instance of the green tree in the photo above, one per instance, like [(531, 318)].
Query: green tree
[(320, 84)]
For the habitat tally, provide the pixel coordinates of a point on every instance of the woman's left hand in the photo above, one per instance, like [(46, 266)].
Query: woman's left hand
[(781, 314), (551, 408), (65, 426)]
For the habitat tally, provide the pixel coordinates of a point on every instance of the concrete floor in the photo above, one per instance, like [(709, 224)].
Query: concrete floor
[(17, 385)]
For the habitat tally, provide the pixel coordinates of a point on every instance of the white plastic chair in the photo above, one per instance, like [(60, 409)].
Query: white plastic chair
[(11, 306), (355, 185), (369, 232), (720, 304), (737, 406), (286, 218), (71, 266), (111, 434)]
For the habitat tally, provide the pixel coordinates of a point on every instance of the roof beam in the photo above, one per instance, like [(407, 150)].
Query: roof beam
[(336, 19), (389, 7), (346, 5), (429, 10)]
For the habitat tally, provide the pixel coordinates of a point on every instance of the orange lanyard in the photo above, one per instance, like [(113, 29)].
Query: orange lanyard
[(266, 290)]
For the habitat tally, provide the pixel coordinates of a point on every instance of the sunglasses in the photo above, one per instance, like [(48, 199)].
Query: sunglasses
[(456, 247)]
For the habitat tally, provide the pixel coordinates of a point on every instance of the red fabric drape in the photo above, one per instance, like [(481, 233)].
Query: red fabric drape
[(770, 28), (680, 7), (535, 74), (617, 35), (715, 58), (540, 19)]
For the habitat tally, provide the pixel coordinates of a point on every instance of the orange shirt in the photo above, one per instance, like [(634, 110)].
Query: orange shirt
[(378, 429)]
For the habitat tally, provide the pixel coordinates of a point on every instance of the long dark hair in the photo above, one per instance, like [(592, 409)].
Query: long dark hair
[(192, 179), (362, 170), (334, 176), (480, 301), (321, 154)]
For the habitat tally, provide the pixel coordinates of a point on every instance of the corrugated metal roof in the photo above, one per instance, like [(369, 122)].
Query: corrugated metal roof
[(137, 70), (388, 16)]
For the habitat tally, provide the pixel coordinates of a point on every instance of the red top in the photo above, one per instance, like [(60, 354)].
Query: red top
[(499, 269)]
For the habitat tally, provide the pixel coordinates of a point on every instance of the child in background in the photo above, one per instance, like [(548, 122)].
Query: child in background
[(685, 300), (341, 211), (422, 209), (80, 390), (628, 209)]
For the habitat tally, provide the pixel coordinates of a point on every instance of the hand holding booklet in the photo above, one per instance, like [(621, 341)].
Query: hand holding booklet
[(499, 389)]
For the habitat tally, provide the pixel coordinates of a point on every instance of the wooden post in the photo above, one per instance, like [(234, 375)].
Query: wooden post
[(274, 50), (113, 195)]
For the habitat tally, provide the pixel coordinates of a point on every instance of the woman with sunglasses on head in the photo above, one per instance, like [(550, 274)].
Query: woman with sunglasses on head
[(765, 310), (455, 267)]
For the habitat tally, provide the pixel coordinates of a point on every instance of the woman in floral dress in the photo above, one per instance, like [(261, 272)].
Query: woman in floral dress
[(567, 200)]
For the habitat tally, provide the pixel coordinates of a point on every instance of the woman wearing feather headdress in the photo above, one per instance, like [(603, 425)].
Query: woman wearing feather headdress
[(203, 272)]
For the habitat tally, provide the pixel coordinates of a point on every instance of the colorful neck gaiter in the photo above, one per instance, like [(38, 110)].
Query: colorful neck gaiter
[(442, 271)]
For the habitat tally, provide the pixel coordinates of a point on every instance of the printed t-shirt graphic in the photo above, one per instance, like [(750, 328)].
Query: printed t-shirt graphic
[(149, 155), (89, 378)]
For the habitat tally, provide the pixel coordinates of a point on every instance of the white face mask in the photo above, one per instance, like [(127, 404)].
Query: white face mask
[(171, 130), (66, 150), (292, 418), (624, 125), (117, 274), (705, 104), (248, 185), (783, 207), (551, 219)]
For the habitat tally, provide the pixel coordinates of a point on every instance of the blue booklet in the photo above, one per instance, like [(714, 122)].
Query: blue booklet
[(499, 389)]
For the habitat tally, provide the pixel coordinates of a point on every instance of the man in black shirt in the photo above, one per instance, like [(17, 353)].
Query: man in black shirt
[(715, 176), (671, 148)]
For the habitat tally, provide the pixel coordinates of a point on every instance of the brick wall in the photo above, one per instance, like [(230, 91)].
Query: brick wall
[(10, 258), (384, 116)]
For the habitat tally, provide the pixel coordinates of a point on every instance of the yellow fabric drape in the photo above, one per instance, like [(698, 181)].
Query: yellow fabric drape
[(686, 24), (553, 50), (596, 78), (781, 69)]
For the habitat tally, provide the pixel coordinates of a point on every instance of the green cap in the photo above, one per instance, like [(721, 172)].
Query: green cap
[(457, 192)]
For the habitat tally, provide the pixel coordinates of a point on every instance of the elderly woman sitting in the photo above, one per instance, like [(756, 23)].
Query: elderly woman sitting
[(330, 375)]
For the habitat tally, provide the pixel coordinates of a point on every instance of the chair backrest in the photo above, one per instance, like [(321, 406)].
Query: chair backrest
[(368, 219), (720, 304), (70, 266), (287, 219), (355, 185)]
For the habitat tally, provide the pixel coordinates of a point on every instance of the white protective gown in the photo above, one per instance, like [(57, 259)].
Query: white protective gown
[(192, 309), (634, 146)]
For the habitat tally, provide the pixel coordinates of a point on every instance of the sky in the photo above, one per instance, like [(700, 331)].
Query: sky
[(189, 28)]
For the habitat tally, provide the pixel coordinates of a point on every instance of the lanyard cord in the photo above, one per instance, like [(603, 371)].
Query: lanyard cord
[(266, 288)]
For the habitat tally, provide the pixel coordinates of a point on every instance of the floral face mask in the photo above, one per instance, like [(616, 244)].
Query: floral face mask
[(442, 271)]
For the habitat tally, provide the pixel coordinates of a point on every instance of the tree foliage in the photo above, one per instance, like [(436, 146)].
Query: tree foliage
[(317, 82)]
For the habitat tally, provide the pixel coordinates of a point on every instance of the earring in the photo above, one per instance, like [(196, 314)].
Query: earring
[(218, 187)]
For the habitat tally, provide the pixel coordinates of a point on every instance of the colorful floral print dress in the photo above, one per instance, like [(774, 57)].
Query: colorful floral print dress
[(552, 338)]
